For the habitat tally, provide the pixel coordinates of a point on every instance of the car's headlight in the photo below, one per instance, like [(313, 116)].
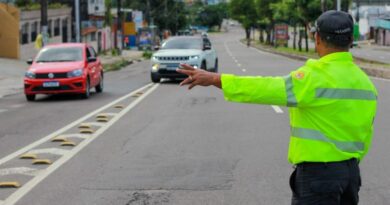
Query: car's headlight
[(155, 67), (75, 73), (194, 57), (155, 58), (30, 74)]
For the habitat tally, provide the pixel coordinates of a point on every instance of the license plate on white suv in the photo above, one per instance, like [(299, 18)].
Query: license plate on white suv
[(51, 84)]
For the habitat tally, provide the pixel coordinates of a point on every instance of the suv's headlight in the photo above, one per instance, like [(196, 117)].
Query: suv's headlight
[(75, 73), (155, 58), (194, 57), (30, 74)]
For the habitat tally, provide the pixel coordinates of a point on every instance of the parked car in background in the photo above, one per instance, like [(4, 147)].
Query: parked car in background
[(196, 51), (64, 68)]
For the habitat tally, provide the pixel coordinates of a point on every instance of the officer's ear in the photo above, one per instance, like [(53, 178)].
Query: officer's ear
[(317, 39)]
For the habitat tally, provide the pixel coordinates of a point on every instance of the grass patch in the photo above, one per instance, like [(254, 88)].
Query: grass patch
[(115, 66), (147, 54)]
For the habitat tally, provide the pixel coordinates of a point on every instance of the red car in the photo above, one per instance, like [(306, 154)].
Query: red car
[(64, 68)]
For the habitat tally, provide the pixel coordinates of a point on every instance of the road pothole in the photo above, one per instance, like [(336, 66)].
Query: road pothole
[(149, 198)]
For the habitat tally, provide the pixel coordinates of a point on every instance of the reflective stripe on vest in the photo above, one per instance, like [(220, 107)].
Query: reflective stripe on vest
[(349, 94), (291, 100), (304, 133)]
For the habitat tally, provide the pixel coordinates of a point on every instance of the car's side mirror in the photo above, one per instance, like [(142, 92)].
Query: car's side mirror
[(30, 61), (207, 47), (91, 59), (156, 47)]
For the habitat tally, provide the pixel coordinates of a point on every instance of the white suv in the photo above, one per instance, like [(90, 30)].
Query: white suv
[(192, 50)]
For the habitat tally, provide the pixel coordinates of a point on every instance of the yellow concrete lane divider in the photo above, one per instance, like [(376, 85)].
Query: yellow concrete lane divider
[(41, 161), (86, 131), (28, 156), (68, 143), (9, 184), (119, 106), (59, 139), (85, 126)]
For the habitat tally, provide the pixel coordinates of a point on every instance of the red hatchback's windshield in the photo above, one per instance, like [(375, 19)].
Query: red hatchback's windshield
[(56, 54)]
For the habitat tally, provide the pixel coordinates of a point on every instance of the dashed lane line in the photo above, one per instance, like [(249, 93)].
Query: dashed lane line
[(18, 194), (19, 170), (277, 109), (55, 151)]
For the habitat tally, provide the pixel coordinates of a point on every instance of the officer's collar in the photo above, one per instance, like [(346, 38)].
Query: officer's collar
[(344, 56)]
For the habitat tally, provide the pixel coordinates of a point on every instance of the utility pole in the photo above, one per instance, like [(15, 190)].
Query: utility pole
[(357, 11), (45, 38), (77, 24), (166, 13), (119, 24), (338, 5)]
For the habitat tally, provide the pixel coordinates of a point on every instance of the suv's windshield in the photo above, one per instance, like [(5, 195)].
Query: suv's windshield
[(60, 54), (182, 43)]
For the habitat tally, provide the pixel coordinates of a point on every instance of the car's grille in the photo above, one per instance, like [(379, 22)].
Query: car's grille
[(62, 87), (174, 58), (46, 75)]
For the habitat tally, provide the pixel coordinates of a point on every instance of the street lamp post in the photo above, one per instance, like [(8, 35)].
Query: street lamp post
[(77, 14), (44, 33)]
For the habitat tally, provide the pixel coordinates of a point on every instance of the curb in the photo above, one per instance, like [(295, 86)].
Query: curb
[(374, 72)]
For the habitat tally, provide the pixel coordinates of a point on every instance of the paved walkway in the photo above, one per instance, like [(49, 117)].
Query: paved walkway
[(12, 71)]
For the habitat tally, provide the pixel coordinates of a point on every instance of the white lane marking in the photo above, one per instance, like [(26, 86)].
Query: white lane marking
[(108, 113), (227, 49), (277, 109), (55, 151), (14, 197), (19, 170), (97, 124), (62, 130), (3, 110), (239, 65), (243, 70), (235, 60), (17, 105)]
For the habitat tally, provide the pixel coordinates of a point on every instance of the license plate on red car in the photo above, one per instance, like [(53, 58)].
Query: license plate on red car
[(51, 84)]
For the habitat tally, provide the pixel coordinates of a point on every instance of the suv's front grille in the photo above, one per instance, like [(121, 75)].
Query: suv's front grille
[(174, 58), (46, 75)]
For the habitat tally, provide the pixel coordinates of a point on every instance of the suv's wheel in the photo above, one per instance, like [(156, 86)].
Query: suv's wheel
[(203, 66), (100, 86), (216, 66), (155, 77), (30, 97), (87, 93)]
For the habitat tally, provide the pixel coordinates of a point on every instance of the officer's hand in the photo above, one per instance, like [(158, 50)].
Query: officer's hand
[(199, 77)]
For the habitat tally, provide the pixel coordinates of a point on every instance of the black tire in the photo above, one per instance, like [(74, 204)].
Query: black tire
[(203, 66), (87, 92), (100, 86), (30, 97), (155, 78), (216, 66)]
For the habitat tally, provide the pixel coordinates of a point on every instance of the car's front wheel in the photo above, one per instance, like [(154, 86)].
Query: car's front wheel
[(30, 97), (100, 86), (215, 70), (86, 93), (155, 77)]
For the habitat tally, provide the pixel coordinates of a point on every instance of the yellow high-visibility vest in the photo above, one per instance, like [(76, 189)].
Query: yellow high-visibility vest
[(332, 105)]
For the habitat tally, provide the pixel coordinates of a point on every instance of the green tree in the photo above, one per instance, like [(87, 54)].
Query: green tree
[(212, 15), (266, 17), (107, 14), (244, 12)]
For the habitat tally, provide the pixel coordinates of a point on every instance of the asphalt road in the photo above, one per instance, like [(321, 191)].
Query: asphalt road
[(167, 145)]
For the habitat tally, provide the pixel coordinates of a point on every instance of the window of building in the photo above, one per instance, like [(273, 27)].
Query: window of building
[(34, 31), (24, 34), (49, 27), (57, 27)]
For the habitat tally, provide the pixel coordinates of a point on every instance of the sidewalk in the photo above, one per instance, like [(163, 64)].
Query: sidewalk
[(12, 71)]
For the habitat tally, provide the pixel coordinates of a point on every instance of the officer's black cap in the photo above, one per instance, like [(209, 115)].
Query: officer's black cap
[(334, 25)]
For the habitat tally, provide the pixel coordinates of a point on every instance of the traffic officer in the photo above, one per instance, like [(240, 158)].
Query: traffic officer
[(332, 105)]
